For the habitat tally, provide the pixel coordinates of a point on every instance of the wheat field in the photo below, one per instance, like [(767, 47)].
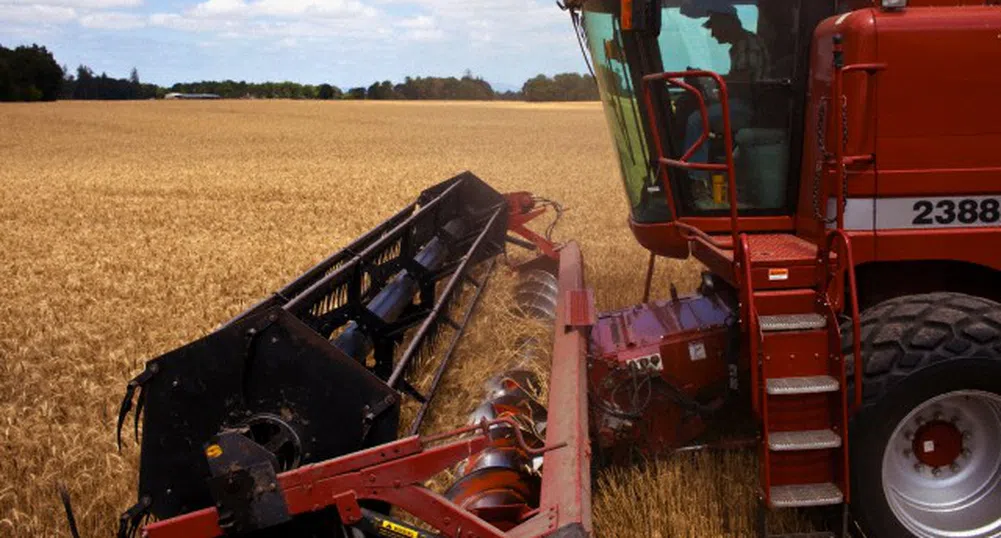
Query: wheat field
[(132, 228)]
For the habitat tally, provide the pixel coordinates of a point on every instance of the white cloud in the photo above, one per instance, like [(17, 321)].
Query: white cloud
[(79, 4), (421, 28), (25, 14), (292, 9), (112, 20)]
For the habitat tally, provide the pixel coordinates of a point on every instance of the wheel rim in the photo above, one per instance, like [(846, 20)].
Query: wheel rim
[(958, 499)]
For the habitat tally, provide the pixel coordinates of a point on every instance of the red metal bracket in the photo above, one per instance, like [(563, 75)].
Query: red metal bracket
[(392, 473), (579, 305), (522, 210)]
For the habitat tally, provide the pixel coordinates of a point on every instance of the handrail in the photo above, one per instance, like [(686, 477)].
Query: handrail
[(674, 79), (841, 161), (742, 257), (846, 263)]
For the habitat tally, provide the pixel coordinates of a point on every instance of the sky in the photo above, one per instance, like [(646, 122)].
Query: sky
[(343, 42)]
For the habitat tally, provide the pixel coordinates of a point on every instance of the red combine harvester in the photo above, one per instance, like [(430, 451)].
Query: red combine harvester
[(834, 165)]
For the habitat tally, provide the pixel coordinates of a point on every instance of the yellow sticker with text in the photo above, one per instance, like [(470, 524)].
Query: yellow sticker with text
[(399, 530)]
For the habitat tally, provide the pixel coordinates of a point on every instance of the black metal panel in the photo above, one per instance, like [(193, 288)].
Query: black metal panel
[(269, 363), (275, 369)]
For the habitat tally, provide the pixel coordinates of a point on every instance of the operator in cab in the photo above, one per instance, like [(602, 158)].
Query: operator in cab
[(749, 63)]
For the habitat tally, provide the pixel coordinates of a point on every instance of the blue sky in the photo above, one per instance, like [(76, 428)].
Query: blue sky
[(344, 42)]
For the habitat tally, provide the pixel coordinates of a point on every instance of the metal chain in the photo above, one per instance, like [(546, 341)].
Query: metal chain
[(844, 145), (823, 156)]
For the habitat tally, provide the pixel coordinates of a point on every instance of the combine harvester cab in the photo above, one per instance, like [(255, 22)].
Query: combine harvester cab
[(285, 420)]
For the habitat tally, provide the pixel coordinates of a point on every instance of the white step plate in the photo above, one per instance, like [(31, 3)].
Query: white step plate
[(802, 495), (784, 386), (803, 440), (792, 322)]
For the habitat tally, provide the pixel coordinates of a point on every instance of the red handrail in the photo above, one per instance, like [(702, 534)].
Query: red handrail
[(846, 264), (841, 161), (673, 79)]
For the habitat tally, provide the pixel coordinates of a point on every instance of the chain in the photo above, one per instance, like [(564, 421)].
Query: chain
[(823, 156), (844, 146)]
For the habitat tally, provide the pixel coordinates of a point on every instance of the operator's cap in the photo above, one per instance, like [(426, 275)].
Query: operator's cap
[(719, 11)]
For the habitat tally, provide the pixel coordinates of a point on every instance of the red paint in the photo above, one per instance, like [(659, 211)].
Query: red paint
[(937, 443), (643, 351)]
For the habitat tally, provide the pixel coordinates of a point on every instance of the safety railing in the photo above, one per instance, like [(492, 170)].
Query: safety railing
[(676, 79), (839, 101), (837, 242)]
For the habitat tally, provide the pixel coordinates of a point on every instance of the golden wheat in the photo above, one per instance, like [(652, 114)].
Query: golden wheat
[(132, 228)]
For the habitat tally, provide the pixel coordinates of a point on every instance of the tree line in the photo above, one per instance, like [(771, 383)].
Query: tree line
[(31, 73)]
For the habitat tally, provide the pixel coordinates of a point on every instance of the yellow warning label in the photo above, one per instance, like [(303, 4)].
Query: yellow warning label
[(213, 451), (399, 530)]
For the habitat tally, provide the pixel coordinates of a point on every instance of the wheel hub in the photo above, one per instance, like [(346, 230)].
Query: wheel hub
[(942, 468), (937, 444)]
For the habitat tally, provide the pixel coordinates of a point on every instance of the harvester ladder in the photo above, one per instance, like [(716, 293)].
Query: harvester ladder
[(799, 381)]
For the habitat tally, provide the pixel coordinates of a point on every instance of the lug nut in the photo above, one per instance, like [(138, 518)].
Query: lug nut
[(918, 467), (954, 467), (908, 434), (937, 415), (966, 435), (966, 453), (920, 420), (936, 471), (907, 452)]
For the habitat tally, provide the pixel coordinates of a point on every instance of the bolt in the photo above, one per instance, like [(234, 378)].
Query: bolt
[(908, 434), (371, 478), (966, 453), (919, 420), (936, 471), (937, 415), (397, 483), (967, 434), (907, 452), (954, 467), (918, 467), (448, 520)]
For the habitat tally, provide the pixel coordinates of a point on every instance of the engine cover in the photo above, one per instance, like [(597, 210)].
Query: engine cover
[(656, 369)]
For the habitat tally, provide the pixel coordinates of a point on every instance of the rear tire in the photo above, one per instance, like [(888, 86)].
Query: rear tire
[(927, 356)]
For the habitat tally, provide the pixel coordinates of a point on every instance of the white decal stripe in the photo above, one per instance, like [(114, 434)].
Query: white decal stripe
[(920, 212)]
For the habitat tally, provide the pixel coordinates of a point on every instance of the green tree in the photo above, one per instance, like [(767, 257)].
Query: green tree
[(29, 73)]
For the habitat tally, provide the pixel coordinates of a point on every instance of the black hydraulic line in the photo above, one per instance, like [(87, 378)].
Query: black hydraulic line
[(396, 295)]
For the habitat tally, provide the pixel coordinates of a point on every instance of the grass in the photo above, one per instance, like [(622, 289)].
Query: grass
[(132, 228)]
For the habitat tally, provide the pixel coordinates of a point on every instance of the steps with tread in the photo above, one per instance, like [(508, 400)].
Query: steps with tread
[(785, 386), (792, 322), (803, 440), (803, 495)]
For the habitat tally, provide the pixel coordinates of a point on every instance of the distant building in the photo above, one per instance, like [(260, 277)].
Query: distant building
[(175, 95)]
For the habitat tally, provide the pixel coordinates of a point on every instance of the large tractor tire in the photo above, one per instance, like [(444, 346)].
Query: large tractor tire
[(926, 445)]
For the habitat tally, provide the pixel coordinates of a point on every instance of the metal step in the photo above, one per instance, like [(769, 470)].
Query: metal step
[(822, 534), (803, 440), (784, 386), (802, 495), (792, 322)]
